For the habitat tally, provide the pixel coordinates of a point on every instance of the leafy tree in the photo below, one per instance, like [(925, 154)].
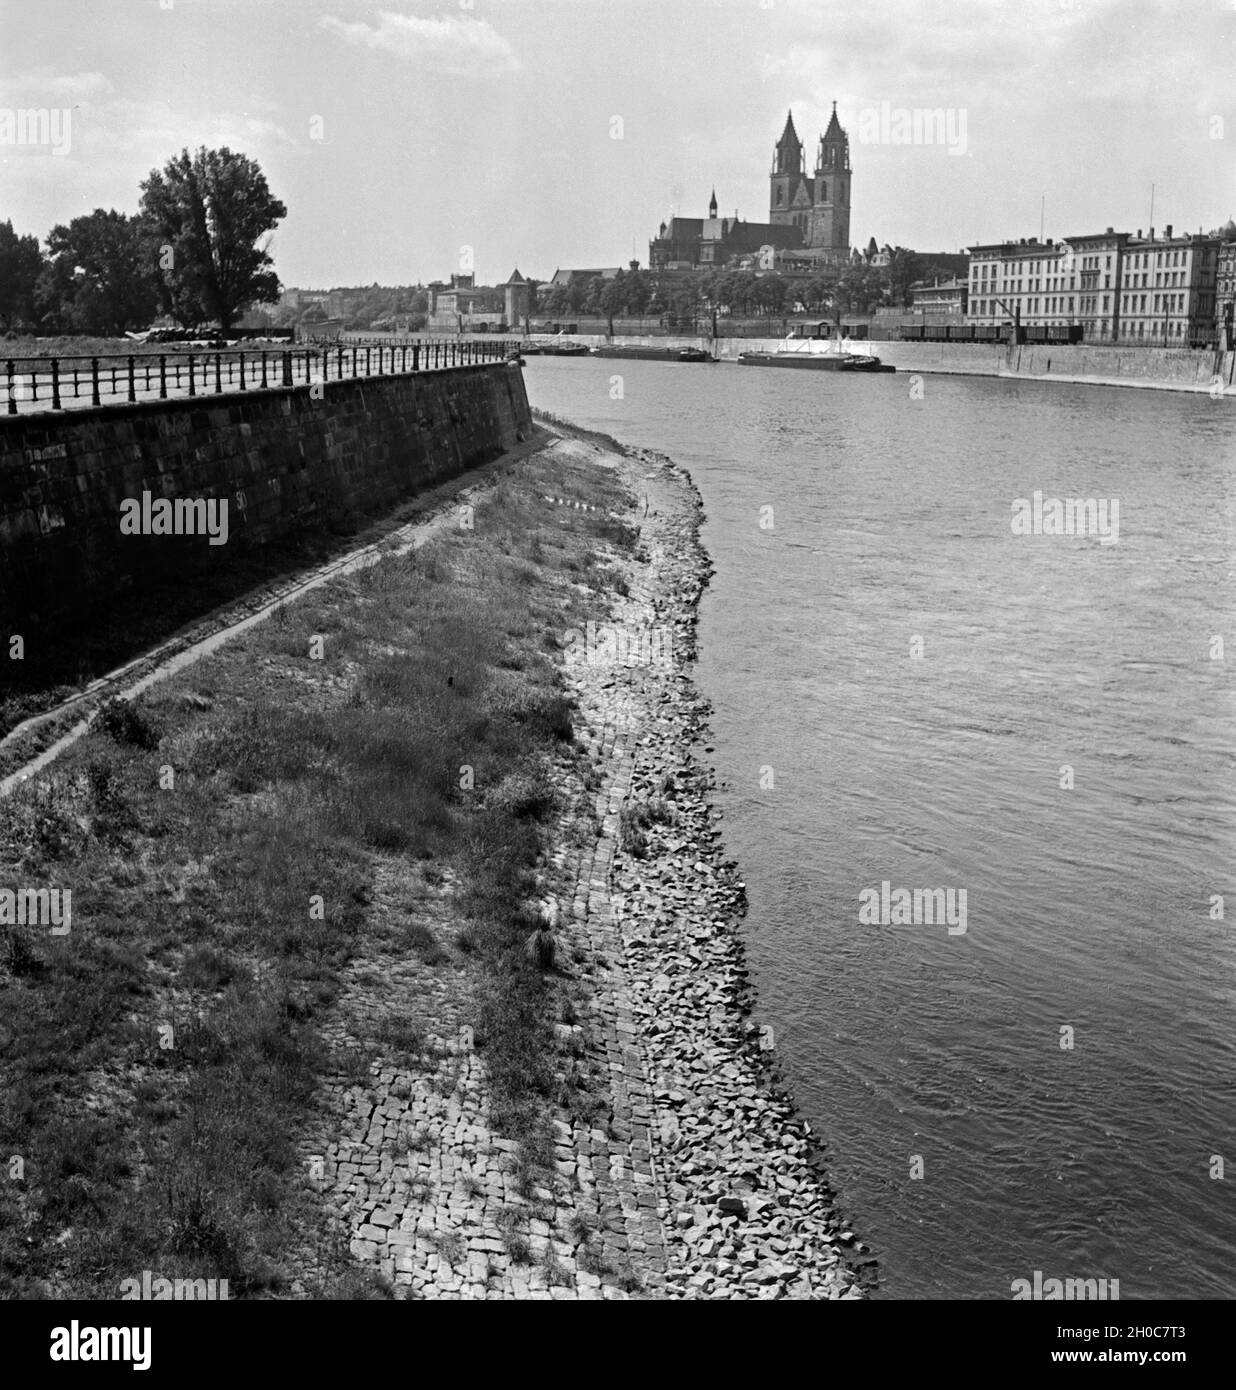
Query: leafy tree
[(592, 295), (21, 260), (904, 269), (97, 278), (207, 212), (612, 298), (770, 293), (639, 293), (816, 293)]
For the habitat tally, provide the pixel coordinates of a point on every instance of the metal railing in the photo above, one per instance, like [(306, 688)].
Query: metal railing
[(59, 383)]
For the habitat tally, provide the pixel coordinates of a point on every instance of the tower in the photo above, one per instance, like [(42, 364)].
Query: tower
[(789, 198), (830, 212)]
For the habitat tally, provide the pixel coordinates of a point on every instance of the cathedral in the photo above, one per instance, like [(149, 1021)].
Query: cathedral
[(808, 215), (817, 204)]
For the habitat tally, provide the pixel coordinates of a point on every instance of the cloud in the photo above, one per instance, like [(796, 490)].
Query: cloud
[(43, 85), (453, 44)]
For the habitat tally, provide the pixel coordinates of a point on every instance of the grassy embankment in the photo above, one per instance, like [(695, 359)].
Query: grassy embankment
[(156, 1062)]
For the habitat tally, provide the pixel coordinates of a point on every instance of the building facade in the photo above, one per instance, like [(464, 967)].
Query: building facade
[(808, 214), (945, 299), (1225, 294), (817, 204), (1120, 287), (1168, 295)]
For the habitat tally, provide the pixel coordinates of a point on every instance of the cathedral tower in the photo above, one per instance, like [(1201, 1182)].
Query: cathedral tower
[(789, 198), (830, 212)]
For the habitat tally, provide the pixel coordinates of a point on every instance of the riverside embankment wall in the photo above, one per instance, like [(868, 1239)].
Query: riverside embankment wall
[(282, 459), (1164, 368)]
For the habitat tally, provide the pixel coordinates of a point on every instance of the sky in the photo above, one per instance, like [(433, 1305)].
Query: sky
[(411, 139)]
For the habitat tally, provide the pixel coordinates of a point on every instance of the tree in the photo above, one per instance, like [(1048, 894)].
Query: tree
[(639, 293), (770, 293), (97, 278), (612, 298), (905, 268), (206, 213), (815, 293), (592, 295), (21, 260)]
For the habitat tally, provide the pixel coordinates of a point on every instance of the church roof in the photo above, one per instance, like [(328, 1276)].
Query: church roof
[(516, 278), (834, 131), (789, 136)]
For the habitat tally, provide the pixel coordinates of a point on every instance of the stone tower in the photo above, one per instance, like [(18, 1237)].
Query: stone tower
[(517, 296), (830, 212), (789, 197)]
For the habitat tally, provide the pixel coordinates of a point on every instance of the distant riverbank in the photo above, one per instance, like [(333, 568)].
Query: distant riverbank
[(1163, 369)]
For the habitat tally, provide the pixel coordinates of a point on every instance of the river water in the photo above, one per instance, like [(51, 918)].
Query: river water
[(904, 690)]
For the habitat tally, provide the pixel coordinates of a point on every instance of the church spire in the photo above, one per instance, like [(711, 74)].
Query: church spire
[(788, 156), (712, 204)]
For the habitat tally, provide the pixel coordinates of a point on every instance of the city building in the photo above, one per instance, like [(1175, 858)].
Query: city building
[(942, 299), (808, 215), (712, 242), (1168, 294), (566, 278), (460, 306), (1120, 287), (1225, 290)]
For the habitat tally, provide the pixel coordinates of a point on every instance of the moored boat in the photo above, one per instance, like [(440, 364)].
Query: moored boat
[(807, 355), (646, 352)]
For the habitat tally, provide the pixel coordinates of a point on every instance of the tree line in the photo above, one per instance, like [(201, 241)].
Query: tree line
[(196, 250), (835, 291)]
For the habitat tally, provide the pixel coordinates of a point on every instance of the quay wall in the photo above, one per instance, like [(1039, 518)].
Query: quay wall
[(1162, 368), (283, 460)]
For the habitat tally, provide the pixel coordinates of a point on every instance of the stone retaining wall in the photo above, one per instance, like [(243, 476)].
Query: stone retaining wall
[(282, 459)]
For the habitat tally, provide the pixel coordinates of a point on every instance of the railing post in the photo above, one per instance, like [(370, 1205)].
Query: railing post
[(218, 373), (263, 369), (10, 368), (367, 351), (192, 377), (132, 381), (55, 366), (355, 358), (162, 377), (242, 371), (416, 357), (339, 362), (94, 381), (287, 369)]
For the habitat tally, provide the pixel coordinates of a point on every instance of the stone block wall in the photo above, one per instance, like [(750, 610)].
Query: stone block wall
[(282, 459)]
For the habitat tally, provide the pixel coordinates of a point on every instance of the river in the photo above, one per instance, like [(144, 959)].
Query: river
[(906, 692)]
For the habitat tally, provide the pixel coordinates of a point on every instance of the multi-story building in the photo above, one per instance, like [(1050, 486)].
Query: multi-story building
[(1168, 294), (1225, 293), (1019, 281), (941, 299), (1120, 288)]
